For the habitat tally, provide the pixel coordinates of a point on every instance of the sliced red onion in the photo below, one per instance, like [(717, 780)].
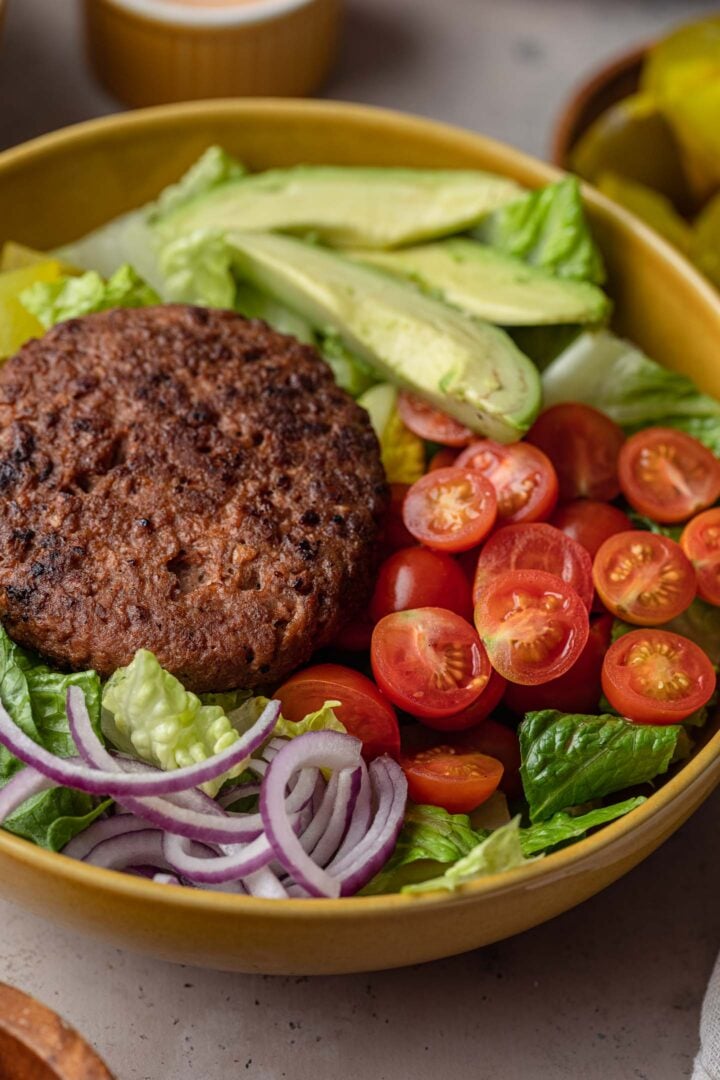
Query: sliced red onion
[(319, 820), (242, 791), (265, 884), (361, 817), (21, 787), (347, 793), (143, 848), (166, 879), (184, 858), (82, 844), (373, 852), (321, 749)]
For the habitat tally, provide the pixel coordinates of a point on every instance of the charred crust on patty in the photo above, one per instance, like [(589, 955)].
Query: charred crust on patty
[(184, 480)]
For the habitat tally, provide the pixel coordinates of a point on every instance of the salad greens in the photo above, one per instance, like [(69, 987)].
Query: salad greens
[(570, 760), (495, 853), (70, 297)]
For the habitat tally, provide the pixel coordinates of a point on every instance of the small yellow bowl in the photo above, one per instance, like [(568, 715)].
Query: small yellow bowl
[(149, 52), (64, 184)]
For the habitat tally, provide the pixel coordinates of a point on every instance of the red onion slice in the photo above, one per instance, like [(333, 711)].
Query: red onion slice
[(184, 859), (373, 852), (21, 787), (265, 884), (82, 844), (166, 879), (143, 848), (242, 791), (347, 792), (321, 749), (360, 820)]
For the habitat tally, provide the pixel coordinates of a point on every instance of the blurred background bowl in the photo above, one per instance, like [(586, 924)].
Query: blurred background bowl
[(149, 52)]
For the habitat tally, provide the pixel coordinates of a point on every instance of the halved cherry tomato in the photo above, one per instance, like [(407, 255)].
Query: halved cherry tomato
[(583, 445), (668, 475), (578, 690), (394, 533), (523, 477), (644, 578), (535, 547), (429, 423), (701, 543), (533, 625), (443, 459), (450, 509), (590, 522), (429, 661), (363, 710), (418, 577), (355, 636), (497, 741), (444, 776), (655, 677), (474, 714)]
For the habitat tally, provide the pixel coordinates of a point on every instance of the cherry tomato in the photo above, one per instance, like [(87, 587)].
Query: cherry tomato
[(429, 423), (450, 509), (523, 477), (644, 578), (363, 710), (655, 677), (429, 661), (457, 781), (590, 522), (467, 561), (418, 577), (355, 636), (701, 543), (533, 625), (474, 714), (443, 459), (394, 534), (583, 445), (578, 690), (535, 547), (497, 741), (668, 475)]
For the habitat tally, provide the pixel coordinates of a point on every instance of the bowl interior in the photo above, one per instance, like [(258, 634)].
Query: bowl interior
[(62, 185)]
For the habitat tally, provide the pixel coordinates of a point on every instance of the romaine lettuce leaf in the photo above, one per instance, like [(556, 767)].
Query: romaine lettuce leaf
[(493, 854), (351, 373), (564, 826), (52, 302), (148, 713), (52, 818), (547, 228), (430, 838), (568, 760), (197, 269), (323, 719), (214, 167), (611, 374)]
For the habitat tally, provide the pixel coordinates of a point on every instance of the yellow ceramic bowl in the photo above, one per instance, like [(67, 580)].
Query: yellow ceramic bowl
[(148, 52), (61, 185)]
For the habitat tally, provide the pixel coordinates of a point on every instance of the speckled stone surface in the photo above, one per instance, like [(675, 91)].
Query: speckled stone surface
[(610, 991)]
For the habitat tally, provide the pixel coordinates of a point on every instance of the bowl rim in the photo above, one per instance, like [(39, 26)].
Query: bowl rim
[(533, 874), (175, 14)]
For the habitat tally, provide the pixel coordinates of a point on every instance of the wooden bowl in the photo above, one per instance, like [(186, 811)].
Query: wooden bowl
[(606, 86), (62, 185), (37, 1044)]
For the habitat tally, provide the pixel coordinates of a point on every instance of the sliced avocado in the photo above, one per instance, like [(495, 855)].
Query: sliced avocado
[(463, 366), (346, 206), (500, 288)]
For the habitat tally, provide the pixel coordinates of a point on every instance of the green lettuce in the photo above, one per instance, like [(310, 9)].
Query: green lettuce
[(323, 719), (214, 167), (611, 374), (564, 826), (148, 713), (568, 760), (429, 838), (499, 851), (34, 697), (547, 228), (197, 269), (69, 297), (351, 373)]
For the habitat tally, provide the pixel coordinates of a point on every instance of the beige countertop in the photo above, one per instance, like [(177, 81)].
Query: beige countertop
[(610, 991)]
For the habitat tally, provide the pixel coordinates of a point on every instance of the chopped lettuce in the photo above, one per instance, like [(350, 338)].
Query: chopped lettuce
[(197, 269), (402, 452), (34, 697), (493, 854), (212, 168), (547, 228), (570, 759), (429, 839), (611, 374), (564, 826), (351, 373), (52, 302), (323, 719), (148, 713)]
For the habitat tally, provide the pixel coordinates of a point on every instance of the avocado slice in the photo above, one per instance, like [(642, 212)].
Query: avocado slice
[(346, 206), (468, 368), (500, 288)]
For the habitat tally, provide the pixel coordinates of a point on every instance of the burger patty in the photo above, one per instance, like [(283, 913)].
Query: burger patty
[(186, 481)]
